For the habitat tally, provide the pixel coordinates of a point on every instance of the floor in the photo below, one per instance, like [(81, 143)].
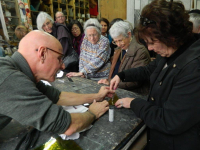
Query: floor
[(140, 143)]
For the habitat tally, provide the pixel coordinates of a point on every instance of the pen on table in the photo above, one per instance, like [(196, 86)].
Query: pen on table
[(70, 79), (75, 107)]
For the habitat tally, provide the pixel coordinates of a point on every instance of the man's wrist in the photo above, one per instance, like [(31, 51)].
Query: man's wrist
[(98, 97), (94, 116), (81, 73)]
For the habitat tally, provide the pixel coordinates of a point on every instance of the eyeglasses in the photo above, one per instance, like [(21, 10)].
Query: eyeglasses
[(92, 35), (60, 17), (146, 21), (119, 41), (74, 29), (60, 59), (47, 24)]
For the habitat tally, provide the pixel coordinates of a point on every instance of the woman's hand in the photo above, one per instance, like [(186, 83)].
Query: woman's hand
[(74, 74), (103, 81), (114, 82), (124, 102)]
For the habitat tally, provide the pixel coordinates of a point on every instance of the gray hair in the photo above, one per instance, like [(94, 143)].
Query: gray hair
[(195, 19), (120, 28), (92, 23), (59, 12), (130, 26), (41, 18)]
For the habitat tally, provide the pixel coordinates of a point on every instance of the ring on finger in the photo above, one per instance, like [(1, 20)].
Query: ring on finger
[(121, 103)]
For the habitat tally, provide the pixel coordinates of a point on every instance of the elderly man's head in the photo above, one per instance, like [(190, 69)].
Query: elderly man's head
[(60, 17), (43, 53)]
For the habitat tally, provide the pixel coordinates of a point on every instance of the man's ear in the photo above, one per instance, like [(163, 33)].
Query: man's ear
[(42, 51)]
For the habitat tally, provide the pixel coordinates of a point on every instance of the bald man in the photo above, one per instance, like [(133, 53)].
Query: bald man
[(60, 18), (26, 99)]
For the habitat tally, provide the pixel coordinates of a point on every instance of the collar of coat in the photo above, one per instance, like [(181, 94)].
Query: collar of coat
[(191, 53), (21, 64)]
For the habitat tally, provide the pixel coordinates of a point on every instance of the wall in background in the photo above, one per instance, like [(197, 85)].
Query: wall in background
[(111, 9), (134, 8)]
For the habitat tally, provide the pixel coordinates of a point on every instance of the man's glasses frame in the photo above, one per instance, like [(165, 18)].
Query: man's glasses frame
[(61, 59), (60, 17)]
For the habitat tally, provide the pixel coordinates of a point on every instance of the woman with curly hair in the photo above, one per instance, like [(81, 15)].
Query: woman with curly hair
[(172, 109)]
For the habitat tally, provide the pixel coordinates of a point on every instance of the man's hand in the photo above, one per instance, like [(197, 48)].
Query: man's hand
[(80, 121), (99, 108), (74, 74), (114, 82), (105, 91), (103, 81), (124, 102)]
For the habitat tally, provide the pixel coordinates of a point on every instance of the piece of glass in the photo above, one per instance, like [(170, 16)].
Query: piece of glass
[(113, 100), (58, 143)]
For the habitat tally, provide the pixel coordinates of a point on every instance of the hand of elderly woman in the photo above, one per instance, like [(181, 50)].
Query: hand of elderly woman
[(114, 82), (103, 81), (124, 102), (74, 74)]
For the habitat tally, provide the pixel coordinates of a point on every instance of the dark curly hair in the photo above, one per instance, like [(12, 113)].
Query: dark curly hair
[(166, 21)]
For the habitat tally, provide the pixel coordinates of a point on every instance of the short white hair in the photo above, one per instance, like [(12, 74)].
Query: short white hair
[(120, 28), (41, 18), (130, 26), (195, 19), (92, 23)]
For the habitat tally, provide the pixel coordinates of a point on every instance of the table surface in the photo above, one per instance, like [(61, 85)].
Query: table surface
[(104, 135)]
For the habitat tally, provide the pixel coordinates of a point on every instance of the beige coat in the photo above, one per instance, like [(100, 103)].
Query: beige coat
[(137, 55)]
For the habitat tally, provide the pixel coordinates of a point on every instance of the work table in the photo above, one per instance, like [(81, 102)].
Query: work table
[(103, 135)]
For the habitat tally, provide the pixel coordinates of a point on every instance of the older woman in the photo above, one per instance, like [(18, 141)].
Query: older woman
[(128, 54), (113, 46), (78, 34), (45, 23), (172, 110), (95, 53)]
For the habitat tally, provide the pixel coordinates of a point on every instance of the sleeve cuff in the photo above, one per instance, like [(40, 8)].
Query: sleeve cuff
[(121, 76), (136, 105)]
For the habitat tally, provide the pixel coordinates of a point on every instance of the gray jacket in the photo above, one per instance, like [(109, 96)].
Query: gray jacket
[(26, 101)]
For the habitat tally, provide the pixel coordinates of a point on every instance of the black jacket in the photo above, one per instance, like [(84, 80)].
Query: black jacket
[(172, 111), (71, 60)]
